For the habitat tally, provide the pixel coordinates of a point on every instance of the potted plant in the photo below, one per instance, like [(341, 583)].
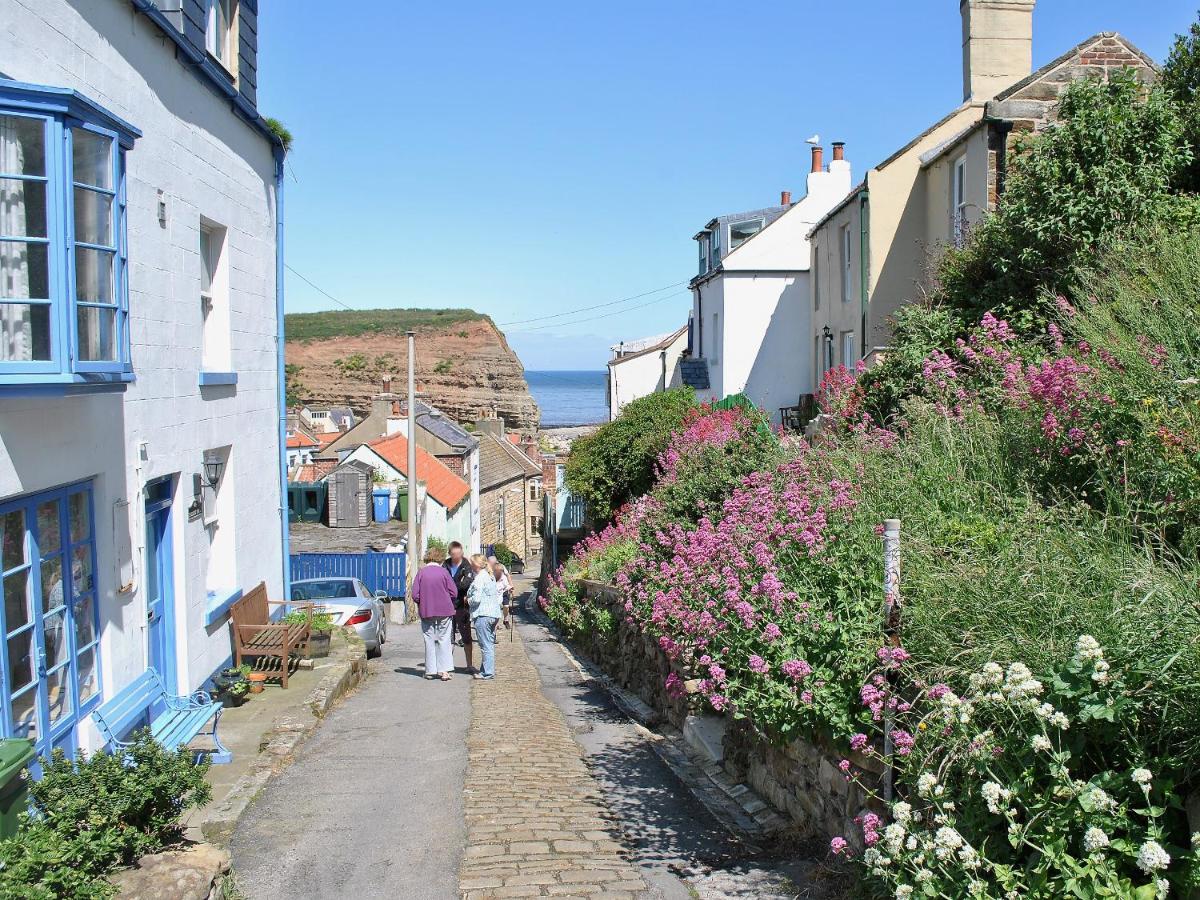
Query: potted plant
[(231, 685), (257, 681), (320, 630)]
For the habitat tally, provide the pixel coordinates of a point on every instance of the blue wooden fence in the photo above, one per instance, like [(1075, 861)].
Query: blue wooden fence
[(378, 571)]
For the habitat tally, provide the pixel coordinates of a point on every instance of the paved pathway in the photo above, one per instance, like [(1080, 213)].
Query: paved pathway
[(372, 806), (536, 822)]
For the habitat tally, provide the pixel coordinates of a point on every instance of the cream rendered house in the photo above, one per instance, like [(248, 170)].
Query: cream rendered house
[(750, 309), (643, 367), (873, 252)]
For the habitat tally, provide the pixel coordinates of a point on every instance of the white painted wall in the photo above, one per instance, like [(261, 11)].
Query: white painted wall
[(761, 345), (208, 163), (640, 374)]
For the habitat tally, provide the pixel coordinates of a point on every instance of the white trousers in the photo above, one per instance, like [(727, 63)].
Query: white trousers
[(439, 648)]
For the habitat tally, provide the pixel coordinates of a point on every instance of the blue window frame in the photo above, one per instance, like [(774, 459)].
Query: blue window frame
[(64, 292), (50, 618)]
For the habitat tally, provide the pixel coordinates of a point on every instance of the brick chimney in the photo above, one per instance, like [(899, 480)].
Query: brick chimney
[(997, 45), (818, 159), (839, 151), (785, 198)]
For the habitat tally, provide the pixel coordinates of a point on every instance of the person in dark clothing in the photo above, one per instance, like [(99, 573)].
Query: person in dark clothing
[(462, 575)]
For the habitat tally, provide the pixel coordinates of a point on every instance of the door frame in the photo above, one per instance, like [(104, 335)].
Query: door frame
[(158, 511)]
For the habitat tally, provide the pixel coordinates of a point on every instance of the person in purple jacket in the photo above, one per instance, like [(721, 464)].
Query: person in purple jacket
[(435, 593)]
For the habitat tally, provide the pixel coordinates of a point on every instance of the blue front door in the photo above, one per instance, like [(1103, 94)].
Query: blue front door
[(160, 583)]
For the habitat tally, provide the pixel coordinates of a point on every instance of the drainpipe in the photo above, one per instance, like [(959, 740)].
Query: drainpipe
[(282, 373), (864, 261)]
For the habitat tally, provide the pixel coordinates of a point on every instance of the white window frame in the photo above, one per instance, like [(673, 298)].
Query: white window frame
[(219, 46), (849, 359), (762, 223), (847, 255), (815, 274), (958, 201)]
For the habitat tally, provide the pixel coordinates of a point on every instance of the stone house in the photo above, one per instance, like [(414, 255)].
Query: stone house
[(510, 494), (872, 253), (750, 316), (141, 369)]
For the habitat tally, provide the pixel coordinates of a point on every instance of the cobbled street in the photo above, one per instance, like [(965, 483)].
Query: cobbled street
[(533, 785)]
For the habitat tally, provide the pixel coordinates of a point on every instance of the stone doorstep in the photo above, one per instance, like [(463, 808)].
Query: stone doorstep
[(280, 742), (705, 734), (735, 805)]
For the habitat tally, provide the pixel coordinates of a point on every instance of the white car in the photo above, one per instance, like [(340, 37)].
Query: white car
[(350, 604)]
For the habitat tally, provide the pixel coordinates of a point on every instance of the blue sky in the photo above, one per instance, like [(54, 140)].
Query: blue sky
[(530, 158)]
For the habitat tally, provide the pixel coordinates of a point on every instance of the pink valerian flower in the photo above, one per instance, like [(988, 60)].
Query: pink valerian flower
[(674, 686), (772, 633), (718, 702), (759, 665), (806, 697), (838, 845), (858, 741), (939, 368), (996, 330), (869, 823), (938, 691), (902, 741), (796, 669), (892, 657), (1064, 306), (717, 673), (844, 765)]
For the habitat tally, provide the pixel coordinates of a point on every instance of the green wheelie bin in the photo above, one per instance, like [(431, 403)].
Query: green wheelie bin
[(15, 754)]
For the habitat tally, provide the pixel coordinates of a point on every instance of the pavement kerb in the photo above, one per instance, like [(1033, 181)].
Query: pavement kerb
[(710, 784), (287, 734)]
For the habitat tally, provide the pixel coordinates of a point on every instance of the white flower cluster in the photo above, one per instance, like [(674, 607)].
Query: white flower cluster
[(946, 841), (1019, 683), (1041, 743), (1055, 717), (1152, 857), (926, 783), (1094, 839), (1142, 777), (1101, 800), (1087, 649), (902, 812), (997, 797)]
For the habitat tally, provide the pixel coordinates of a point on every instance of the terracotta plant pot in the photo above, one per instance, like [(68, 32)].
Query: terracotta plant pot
[(257, 682)]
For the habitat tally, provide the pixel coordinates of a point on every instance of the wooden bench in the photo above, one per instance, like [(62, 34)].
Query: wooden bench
[(254, 634), (181, 720)]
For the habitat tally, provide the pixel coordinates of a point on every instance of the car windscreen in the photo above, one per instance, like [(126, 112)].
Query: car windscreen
[(333, 589)]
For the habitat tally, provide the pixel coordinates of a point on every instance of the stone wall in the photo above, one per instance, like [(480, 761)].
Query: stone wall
[(801, 780)]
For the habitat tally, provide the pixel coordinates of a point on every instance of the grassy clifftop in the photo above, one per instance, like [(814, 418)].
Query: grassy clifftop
[(353, 323)]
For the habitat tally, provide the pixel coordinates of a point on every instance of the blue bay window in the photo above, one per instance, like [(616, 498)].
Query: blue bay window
[(64, 293), (50, 618)]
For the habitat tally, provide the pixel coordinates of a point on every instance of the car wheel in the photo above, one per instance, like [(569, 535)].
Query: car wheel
[(375, 652), (382, 630)]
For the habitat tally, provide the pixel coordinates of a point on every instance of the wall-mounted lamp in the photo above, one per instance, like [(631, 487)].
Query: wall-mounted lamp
[(214, 465), (827, 333)]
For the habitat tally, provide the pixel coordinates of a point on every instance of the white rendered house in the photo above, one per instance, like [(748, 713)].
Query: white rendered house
[(750, 307), (141, 406), (644, 366)]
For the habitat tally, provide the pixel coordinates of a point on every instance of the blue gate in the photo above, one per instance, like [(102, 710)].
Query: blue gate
[(378, 571)]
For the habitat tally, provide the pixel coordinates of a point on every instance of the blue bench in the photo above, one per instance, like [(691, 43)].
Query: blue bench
[(181, 719)]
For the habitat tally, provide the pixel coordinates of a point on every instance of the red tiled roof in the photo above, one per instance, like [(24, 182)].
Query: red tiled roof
[(328, 438), (443, 485), (300, 439)]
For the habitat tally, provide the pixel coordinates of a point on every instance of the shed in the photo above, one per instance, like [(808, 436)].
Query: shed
[(350, 495)]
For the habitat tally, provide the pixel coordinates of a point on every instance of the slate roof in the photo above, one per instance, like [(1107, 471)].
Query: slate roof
[(444, 428), (694, 373), (443, 485), (500, 462)]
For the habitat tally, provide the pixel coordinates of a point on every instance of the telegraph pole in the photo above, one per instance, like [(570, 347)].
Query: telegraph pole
[(414, 551)]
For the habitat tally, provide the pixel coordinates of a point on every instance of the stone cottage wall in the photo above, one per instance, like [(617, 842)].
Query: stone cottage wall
[(801, 780)]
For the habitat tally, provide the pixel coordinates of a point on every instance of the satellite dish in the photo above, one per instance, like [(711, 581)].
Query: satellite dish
[(814, 140)]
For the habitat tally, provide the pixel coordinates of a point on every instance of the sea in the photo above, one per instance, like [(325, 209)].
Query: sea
[(569, 398)]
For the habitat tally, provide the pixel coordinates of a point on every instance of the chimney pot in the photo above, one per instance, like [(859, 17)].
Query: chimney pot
[(396, 408), (387, 384), (785, 198), (818, 159), (839, 150)]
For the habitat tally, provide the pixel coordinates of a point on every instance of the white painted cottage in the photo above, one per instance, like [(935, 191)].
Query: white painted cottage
[(644, 366), (141, 406), (751, 316)]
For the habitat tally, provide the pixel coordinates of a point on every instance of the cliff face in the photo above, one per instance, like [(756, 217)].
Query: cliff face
[(464, 365)]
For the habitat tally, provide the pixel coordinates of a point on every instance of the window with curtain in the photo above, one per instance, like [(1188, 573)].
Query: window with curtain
[(217, 27), (63, 306)]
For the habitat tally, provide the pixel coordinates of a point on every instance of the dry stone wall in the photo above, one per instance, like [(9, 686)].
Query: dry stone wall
[(801, 779)]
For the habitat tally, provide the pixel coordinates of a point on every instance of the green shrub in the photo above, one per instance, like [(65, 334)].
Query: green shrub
[(503, 554), (609, 468), (98, 812), (1110, 164), (436, 543)]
